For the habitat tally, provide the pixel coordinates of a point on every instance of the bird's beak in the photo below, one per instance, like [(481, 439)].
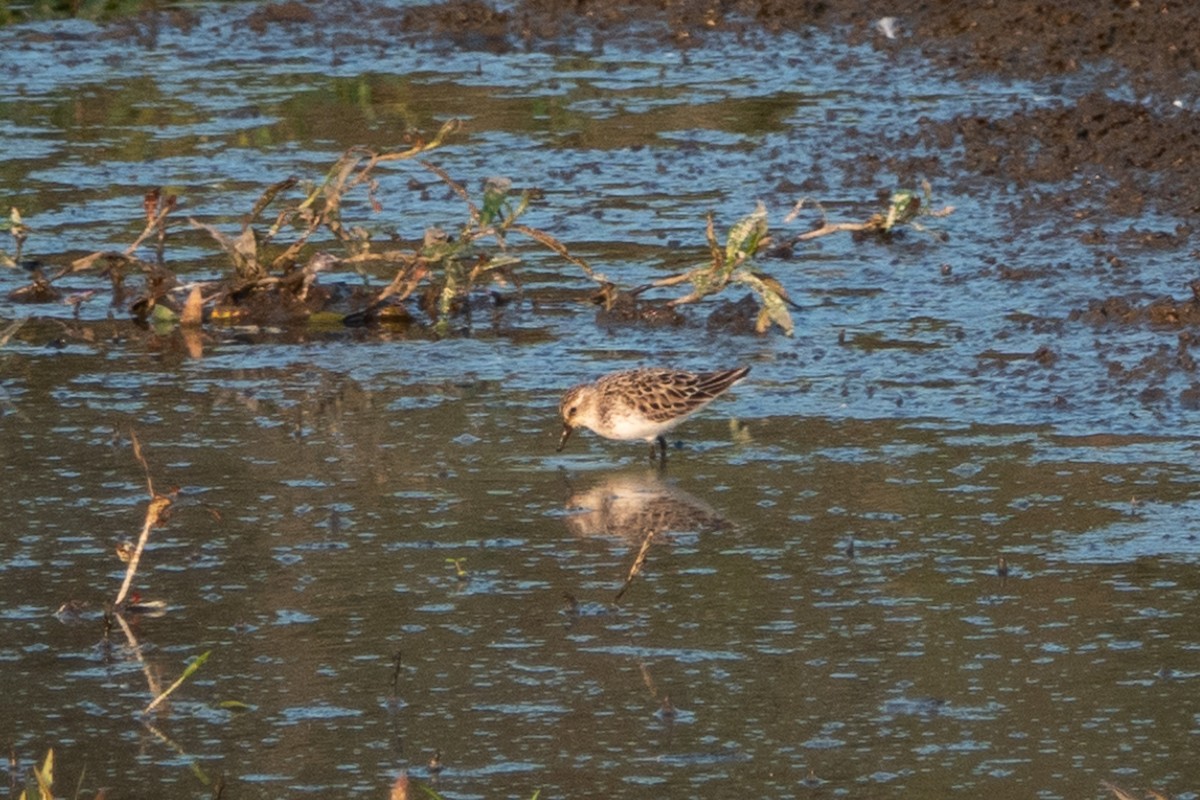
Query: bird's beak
[(566, 435)]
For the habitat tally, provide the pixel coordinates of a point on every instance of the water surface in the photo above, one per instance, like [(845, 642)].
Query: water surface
[(821, 609)]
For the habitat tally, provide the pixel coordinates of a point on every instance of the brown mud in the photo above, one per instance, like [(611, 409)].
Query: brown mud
[(1149, 151), (1145, 150)]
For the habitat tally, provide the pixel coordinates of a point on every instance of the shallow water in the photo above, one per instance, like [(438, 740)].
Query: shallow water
[(820, 611)]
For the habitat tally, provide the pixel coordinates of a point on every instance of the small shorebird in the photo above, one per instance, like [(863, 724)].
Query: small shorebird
[(642, 403)]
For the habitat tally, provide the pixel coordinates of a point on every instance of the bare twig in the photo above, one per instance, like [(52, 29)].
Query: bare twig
[(157, 208), (557, 246), (155, 512), (156, 213), (349, 171), (11, 330), (455, 186), (837, 227), (268, 195)]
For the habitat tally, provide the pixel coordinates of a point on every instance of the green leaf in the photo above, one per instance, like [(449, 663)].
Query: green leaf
[(449, 292), (774, 309), (744, 237), (495, 192), (903, 208), (326, 319), (235, 705), (45, 776), (703, 280), (196, 664)]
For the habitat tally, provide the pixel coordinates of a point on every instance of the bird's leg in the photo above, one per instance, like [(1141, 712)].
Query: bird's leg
[(662, 450)]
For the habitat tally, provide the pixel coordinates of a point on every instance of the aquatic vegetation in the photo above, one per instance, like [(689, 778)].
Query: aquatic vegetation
[(191, 668), (156, 513), (44, 779), (904, 208), (19, 232), (286, 248), (303, 260), (445, 267), (733, 263)]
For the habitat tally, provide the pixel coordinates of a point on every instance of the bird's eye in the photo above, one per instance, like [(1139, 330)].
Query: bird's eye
[(571, 411)]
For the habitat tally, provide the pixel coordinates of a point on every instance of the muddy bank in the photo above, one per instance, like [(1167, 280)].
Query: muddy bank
[(1097, 155), (1153, 41), (1131, 142), (1143, 152)]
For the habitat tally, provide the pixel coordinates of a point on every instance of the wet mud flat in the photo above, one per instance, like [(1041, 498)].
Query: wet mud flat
[(938, 541), (1101, 151)]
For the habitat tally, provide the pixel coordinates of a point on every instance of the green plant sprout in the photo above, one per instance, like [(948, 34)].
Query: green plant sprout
[(460, 571), (904, 209), (734, 263), (192, 666), (44, 777), (19, 232)]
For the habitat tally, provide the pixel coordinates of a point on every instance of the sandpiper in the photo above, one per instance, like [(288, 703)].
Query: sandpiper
[(642, 403)]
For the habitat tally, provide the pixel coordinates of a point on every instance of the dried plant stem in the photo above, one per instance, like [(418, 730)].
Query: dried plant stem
[(455, 186), (647, 679), (11, 330), (340, 179), (673, 280), (157, 505), (154, 512), (837, 227), (155, 220), (556, 246)]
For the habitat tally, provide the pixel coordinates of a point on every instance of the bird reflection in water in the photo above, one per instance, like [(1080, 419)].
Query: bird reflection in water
[(639, 508), (635, 505)]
